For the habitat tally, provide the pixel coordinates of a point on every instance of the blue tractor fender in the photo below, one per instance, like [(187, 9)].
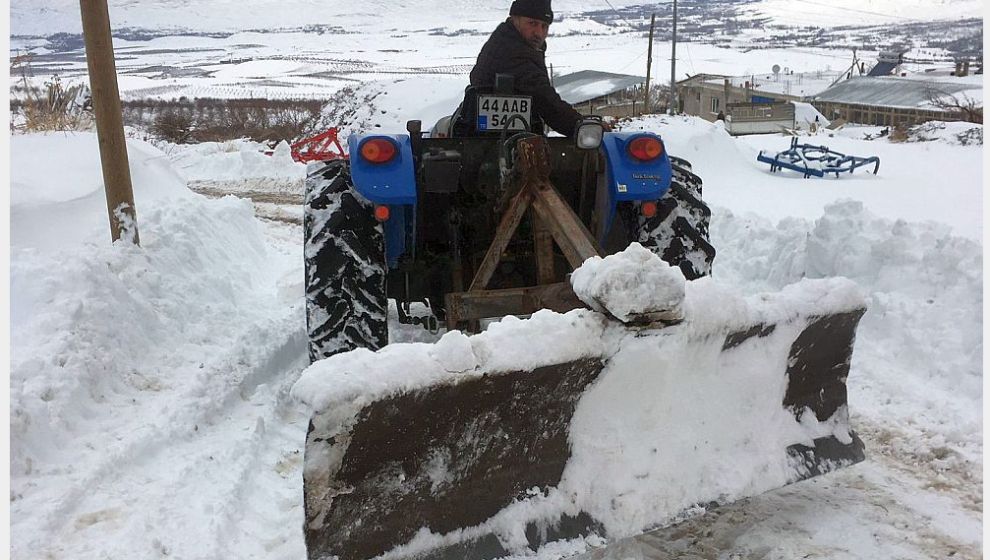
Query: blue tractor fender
[(391, 184), (629, 179)]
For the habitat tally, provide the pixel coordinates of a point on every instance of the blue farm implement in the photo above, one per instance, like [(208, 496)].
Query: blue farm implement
[(816, 160)]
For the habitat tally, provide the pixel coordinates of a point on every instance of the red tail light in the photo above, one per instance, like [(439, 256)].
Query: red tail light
[(382, 213), (378, 150), (645, 148), (648, 209)]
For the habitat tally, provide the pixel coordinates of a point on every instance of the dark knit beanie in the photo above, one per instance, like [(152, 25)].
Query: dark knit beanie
[(536, 9)]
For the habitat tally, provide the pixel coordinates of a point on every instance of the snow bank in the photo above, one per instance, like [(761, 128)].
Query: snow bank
[(122, 354), (234, 160), (918, 366), (953, 133), (64, 203), (385, 106)]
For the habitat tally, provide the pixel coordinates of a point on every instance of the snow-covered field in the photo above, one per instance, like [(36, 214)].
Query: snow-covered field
[(49, 16), (150, 412), (296, 49), (308, 65)]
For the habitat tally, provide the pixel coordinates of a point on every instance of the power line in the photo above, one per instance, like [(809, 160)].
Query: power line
[(633, 61), (858, 11), (618, 14), (687, 49), (824, 55), (783, 18)]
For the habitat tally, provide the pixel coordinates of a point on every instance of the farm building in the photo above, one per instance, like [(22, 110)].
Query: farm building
[(890, 101), (754, 104), (602, 93), (707, 95)]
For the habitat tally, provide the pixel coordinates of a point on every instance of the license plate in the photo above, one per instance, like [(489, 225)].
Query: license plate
[(495, 112)]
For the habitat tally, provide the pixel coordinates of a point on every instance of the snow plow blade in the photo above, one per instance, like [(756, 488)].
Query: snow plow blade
[(478, 460)]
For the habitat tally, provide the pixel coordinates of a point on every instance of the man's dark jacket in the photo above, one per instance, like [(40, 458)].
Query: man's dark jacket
[(506, 52)]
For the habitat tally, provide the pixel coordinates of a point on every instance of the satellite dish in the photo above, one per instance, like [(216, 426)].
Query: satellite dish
[(776, 69)]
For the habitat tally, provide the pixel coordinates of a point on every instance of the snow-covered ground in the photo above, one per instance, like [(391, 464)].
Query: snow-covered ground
[(150, 406), (151, 414)]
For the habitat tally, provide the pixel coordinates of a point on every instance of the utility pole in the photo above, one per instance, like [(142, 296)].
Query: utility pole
[(109, 120), (673, 65), (649, 65)]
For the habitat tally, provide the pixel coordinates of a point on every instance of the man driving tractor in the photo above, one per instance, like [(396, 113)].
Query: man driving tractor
[(518, 47)]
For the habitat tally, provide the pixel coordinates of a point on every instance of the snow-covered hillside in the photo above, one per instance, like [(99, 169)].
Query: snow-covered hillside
[(827, 13), (150, 406), (30, 17), (298, 49)]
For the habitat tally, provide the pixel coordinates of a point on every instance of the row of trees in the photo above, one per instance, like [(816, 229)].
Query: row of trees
[(214, 120)]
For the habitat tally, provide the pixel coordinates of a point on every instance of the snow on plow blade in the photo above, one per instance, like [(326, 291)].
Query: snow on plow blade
[(562, 426)]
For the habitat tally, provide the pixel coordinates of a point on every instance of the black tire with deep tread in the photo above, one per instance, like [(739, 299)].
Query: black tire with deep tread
[(682, 163), (679, 231), (346, 303)]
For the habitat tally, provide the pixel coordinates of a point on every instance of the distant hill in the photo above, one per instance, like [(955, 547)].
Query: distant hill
[(46, 17)]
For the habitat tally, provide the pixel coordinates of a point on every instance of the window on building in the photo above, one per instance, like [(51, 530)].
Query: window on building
[(716, 104)]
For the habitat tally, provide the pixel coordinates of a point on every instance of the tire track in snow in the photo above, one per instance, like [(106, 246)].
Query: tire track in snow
[(266, 506), (199, 442), (939, 469)]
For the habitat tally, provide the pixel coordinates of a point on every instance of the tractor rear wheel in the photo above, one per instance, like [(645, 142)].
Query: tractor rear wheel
[(682, 163), (346, 303), (678, 233)]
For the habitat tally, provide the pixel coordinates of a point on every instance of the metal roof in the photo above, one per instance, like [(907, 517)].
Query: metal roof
[(589, 84), (890, 91)]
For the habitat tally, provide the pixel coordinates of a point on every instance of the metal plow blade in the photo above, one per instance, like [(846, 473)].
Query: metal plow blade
[(446, 458), (451, 456), (817, 368)]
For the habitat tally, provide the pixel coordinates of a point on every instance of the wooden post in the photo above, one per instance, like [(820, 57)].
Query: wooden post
[(673, 65), (649, 65), (109, 120)]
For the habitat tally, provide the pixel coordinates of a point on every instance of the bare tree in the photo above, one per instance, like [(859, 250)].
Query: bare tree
[(967, 108)]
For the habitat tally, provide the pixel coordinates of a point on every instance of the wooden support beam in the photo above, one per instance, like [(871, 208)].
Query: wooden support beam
[(503, 234), (571, 235), (543, 247), (467, 306), (553, 220)]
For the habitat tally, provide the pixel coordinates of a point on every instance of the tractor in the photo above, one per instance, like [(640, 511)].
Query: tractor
[(485, 217), (482, 218)]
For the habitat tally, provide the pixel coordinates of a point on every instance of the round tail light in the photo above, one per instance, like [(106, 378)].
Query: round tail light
[(645, 148), (382, 213), (378, 150), (648, 209)]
